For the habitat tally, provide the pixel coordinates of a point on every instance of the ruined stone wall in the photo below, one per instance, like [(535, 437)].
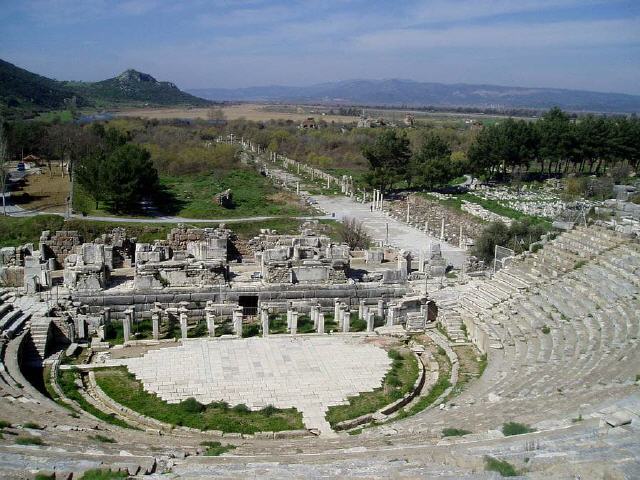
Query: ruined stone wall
[(61, 244), (178, 237), (143, 301)]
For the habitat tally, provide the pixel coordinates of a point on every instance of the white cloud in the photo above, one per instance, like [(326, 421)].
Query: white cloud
[(446, 10), (506, 36)]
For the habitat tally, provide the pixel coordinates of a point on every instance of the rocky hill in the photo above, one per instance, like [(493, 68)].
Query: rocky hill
[(25, 94), (132, 86)]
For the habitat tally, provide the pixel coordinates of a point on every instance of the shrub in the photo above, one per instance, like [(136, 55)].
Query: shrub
[(514, 428), (546, 330), (579, 264), (32, 425), (395, 355), (353, 233), (102, 438), (454, 432), (269, 410), (216, 448), (29, 441), (98, 474), (504, 468), (241, 408), (191, 405), (4, 424)]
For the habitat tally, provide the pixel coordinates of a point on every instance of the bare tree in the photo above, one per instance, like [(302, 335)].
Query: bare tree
[(352, 233), (3, 167)]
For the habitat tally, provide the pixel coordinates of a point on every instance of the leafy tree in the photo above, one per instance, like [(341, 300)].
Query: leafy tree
[(388, 158), (431, 165), (121, 178), (557, 138), (90, 174)]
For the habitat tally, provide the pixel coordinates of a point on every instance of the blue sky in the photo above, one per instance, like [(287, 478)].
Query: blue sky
[(585, 44)]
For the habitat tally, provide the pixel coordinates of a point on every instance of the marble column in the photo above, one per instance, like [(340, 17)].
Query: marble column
[(289, 312), (126, 324), (442, 229), (346, 320), (294, 322), (320, 328), (391, 314), (155, 322), (81, 328), (360, 310), (264, 319), (365, 312), (370, 320), (336, 311), (210, 316), (381, 308), (183, 322), (237, 321)]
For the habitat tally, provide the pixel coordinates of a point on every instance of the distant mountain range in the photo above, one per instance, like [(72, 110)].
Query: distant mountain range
[(421, 94), (23, 93)]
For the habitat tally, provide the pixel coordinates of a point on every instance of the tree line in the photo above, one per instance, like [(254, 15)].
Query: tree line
[(556, 144)]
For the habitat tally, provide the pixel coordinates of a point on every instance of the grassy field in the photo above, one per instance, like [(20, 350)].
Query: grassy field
[(17, 231), (396, 384), (248, 111), (125, 389), (193, 196), (253, 195)]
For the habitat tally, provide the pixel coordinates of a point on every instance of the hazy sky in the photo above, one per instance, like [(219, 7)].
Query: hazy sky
[(585, 44)]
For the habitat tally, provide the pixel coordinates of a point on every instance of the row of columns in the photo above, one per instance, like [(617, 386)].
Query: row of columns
[(342, 315)]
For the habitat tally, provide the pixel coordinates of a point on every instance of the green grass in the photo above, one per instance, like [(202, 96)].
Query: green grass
[(52, 393), (29, 441), (126, 390), (398, 381), (579, 264), (66, 380), (504, 468), (545, 329), (140, 330), (16, 231), (32, 425), (62, 116), (215, 449), (4, 424), (44, 476), (514, 428), (423, 402), (253, 195), (454, 432), (482, 364), (99, 474)]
